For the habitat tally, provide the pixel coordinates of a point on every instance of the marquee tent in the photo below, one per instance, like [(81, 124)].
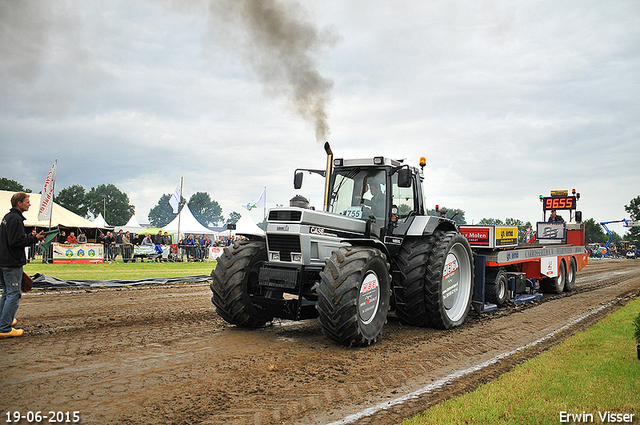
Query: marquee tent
[(188, 224), (132, 226), (246, 226), (60, 216), (100, 221)]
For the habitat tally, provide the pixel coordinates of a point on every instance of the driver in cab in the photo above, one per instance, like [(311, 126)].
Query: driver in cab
[(377, 201)]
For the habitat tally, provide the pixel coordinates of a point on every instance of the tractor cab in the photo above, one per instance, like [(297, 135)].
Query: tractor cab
[(381, 191)]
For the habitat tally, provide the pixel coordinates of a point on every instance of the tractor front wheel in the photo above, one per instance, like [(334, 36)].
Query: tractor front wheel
[(235, 279), (354, 294)]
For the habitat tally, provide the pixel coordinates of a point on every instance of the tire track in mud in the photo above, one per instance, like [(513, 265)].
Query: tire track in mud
[(161, 355)]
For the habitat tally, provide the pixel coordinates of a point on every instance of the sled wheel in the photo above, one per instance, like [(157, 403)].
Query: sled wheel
[(570, 283), (555, 285), (496, 289)]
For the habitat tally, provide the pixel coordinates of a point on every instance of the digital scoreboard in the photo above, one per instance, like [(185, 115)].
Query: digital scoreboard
[(559, 203)]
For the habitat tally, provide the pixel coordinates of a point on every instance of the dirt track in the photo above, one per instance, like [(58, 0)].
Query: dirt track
[(161, 355)]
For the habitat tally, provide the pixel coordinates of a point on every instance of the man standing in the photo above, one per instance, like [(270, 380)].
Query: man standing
[(13, 240), (555, 218)]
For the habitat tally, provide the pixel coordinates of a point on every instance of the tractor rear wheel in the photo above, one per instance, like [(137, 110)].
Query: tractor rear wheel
[(235, 278), (409, 282), (449, 280), (354, 294)]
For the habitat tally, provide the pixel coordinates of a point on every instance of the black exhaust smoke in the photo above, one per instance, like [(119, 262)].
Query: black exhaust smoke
[(281, 46)]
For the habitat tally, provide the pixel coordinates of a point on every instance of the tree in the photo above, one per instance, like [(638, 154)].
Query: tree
[(162, 214), (12, 185), (593, 232), (118, 211), (450, 213), (206, 211), (522, 228), (634, 211), (74, 198), (233, 218), (491, 222)]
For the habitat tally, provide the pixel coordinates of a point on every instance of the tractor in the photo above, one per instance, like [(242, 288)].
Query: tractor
[(370, 250)]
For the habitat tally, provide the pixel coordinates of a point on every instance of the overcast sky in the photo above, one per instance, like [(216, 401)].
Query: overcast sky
[(506, 100)]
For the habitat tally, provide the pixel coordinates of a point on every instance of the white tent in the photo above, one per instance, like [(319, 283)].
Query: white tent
[(60, 216), (188, 225), (100, 221), (132, 226), (246, 226)]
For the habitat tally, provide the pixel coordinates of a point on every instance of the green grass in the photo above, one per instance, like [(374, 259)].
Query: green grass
[(119, 270), (596, 370)]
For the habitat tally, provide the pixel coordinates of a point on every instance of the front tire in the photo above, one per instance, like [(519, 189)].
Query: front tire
[(235, 278), (353, 296), (449, 280)]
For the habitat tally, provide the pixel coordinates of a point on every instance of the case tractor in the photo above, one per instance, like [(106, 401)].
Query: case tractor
[(371, 249)]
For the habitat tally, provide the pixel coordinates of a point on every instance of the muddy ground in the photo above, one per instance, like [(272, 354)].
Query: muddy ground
[(161, 355)]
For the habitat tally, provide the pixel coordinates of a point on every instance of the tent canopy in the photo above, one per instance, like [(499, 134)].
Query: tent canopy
[(60, 216), (246, 226), (188, 224), (100, 221), (154, 231), (132, 226)]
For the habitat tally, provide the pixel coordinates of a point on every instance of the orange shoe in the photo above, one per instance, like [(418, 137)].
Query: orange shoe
[(14, 333), (15, 322)]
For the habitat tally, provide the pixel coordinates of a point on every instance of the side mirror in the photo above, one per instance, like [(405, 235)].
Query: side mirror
[(297, 181), (404, 177)]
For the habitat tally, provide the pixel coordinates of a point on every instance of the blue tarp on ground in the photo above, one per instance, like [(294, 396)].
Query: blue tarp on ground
[(47, 282)]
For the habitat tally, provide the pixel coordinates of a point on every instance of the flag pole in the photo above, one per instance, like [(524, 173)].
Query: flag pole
[(264, 216), (179, 209), (52, 195)]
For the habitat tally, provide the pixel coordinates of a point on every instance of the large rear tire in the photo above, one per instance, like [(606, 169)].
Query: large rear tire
[(409, 282), (235, 278), (449, 280), (353, 296)]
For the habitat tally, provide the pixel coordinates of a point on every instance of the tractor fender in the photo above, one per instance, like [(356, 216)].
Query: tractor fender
[(426, 225), (373, 243)]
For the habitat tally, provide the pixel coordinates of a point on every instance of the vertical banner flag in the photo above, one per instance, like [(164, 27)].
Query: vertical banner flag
[(46, 198), (174, 201), (258, 202), (529, 239)]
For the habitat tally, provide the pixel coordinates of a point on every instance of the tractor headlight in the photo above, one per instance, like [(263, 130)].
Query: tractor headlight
[(296, 257), (274, 256)]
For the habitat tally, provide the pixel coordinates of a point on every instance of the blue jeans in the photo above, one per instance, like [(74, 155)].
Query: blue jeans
[(11, 280)]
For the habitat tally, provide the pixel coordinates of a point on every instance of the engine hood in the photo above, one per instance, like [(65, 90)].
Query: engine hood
[(279, 217)]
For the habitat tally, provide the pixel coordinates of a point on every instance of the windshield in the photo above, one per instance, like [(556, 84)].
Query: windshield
[(360, 193)]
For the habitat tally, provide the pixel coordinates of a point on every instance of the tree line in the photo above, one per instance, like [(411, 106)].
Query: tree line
[(594, 232), (117, 209)]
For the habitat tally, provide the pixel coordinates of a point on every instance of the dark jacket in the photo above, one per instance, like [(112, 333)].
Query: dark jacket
[(13, 240)]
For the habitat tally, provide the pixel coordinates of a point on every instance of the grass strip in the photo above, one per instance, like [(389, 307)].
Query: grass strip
[(594, 373), (119, 270)]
